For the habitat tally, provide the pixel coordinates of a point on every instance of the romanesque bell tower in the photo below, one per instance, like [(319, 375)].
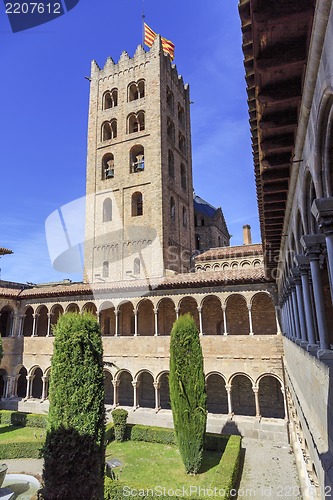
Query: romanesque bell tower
[(139, 208)]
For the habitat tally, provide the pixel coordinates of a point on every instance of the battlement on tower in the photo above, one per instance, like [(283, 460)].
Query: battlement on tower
[(140, 59)]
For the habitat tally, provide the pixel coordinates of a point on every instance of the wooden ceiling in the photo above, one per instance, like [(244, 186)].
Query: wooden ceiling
[(276, 38)]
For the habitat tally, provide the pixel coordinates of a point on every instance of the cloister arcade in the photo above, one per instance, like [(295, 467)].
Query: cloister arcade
[(239, 395), (241, 313)]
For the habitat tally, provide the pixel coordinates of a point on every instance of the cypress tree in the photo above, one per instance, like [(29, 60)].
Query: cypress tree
[(187, 392), (74, 447)]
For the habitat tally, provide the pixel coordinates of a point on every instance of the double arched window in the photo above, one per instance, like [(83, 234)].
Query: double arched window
[(110, 99), (136, 122), (170, 130), (183, 175), (181, 143), (109, 130), (181, 114), (169, 98), (136, 90), (171, 163)]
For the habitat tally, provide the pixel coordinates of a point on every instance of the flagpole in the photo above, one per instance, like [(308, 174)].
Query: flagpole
[(143, 21)]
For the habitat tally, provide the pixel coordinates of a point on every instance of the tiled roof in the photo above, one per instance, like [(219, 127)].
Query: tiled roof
[(186, 280), (226, 252)]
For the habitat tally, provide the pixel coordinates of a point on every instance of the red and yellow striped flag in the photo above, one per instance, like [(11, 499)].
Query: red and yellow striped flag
[(167, 45)]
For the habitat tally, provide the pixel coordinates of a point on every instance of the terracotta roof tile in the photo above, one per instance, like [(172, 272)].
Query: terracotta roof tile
[(226, 252)]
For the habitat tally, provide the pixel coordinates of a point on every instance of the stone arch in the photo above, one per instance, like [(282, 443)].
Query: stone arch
[(42, 321), (242, 395), (3, 383), (245, 264), (309, 195), (212, 315), (145, 389), (146, 319), (73, 308), (136, 90), (163, 380), (125, 389), (108, 166), (90, 307), (56, 311), (110, 99), (107, 318), (237, 315), (37, 383), (299, 231), (6, 321), (189, 305), (137, 204), (263, 314), (28, 321), (21, 388), (108, 387), (107, 210), (217, 399), (166, 316), (136, 122), (126, 318), (271, 402), (137, 158), (325, 144)]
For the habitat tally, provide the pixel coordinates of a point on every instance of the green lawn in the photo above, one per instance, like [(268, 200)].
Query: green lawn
[(12, 433), (153, 464)]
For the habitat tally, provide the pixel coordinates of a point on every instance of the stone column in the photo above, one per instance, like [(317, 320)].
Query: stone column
[(156, 321), (13, 323), (116, 313), (20, 327), (300, 304), (322, 209), (304, 267), (284, 403), (295, 309), (228, 389), (115, 384), (34, 325), (313, 247), (200, 320), (224, 320), (29, 386), (5, 387), (135, 385), (256, 398), (290, 314), (250, 319), (177, 312), (278, 326), (49, 317), (157, 396), (135, 323), (44, 380)]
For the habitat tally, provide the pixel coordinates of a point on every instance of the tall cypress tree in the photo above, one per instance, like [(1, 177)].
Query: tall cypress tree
[(187, 391), (74, 447)]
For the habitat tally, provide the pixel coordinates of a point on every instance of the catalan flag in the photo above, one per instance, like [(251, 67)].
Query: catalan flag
[(167, 45)]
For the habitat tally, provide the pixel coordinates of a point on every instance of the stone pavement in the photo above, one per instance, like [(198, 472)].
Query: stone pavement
[(269, 471), (31, 466)]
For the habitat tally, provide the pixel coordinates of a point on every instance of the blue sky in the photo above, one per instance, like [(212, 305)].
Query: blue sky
[(44, 108)]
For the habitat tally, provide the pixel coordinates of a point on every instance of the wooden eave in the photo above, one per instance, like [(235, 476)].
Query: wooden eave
[(276, 38)]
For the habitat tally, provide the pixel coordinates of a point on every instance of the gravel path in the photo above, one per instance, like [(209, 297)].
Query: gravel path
[(269, 472)]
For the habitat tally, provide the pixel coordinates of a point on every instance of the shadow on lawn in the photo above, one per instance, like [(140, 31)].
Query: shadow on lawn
[(9, 428), (210, 460)]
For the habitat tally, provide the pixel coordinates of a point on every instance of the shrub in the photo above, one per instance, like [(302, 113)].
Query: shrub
[(119, 416), (22, 419), (74, 448), (24, 449), (150, 434), (187, 391), (228, 468)]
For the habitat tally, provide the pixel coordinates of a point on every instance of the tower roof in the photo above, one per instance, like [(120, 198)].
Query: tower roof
[(203, 206)]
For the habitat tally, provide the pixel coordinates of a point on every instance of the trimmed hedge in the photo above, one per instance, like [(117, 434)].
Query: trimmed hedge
[(22, 419), (150, 434), (119, 416), (24, 449), (228, 468)]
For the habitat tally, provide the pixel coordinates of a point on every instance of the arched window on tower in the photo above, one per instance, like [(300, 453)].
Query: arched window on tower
[(109, 130), (107, 210), (110, 99), (105, 271), (137, 267), (136, 122), (169, 98), (137, 204), (172, 209), (181, 115), (137, 159), (108, 166), (171, 163), (136, 90), (183, 175), (170, 130), (184, 217), (181, 143)]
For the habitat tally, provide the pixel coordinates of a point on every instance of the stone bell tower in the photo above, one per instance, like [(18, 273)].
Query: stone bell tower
[(139, 195)]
